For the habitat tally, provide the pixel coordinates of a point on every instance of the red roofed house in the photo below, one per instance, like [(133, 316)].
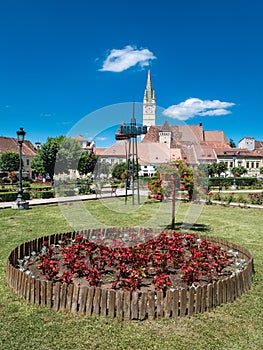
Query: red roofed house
[(10, 144)]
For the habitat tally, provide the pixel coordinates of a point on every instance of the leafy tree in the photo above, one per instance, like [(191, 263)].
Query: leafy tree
[(220, 168), (239, 171), (68, 156), (87, 163), (38, 165), (119, 170), (103, 167), (45, 161), (9, 161), (232, 143), (261, 170), (211, 169), (178, 176)]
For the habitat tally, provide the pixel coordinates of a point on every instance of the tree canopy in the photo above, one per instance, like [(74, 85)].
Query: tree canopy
[(9, 161), (87, 163), (232, 143), (68, 156)]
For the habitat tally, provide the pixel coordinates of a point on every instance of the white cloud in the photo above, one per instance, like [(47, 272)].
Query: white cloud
[(120, 60), (195, 106)]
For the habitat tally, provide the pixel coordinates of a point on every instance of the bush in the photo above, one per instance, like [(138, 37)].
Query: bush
[(12, 196), (47, 194), (228, 182)]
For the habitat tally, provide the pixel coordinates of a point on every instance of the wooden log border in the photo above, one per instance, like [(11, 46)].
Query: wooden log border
[(123, 305)]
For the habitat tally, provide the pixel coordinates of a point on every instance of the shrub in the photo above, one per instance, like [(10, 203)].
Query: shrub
[(12, 196)]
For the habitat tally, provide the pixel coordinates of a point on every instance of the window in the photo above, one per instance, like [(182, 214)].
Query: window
[(27, 162), (247, 164), (257, 165), (231, 164), (252, 164)]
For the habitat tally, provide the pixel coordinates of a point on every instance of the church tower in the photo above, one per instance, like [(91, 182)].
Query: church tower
[(149, 104)]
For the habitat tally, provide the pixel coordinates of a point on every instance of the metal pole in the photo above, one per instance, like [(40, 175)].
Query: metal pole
[(20, 187)]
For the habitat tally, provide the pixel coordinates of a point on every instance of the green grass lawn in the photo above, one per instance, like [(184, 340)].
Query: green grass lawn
[(233, 326)]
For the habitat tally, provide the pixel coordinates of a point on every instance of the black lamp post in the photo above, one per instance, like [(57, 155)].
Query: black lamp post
[(20, 202), (234, 160)]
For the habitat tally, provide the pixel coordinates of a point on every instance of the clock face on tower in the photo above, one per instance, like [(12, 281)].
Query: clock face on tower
[(149, 109)]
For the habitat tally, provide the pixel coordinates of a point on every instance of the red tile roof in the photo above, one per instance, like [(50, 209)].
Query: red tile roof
[(241, 152), (10, 144)]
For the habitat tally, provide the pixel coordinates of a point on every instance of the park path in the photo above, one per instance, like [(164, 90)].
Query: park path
[(120, 193)]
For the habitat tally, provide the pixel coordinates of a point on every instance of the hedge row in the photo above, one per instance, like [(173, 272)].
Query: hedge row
[(12, 196), (227, 182)]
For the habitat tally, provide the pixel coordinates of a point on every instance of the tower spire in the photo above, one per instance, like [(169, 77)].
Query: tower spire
[(149, 95)]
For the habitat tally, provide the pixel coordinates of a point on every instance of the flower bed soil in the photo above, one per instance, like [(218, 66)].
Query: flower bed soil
[(179, 267)]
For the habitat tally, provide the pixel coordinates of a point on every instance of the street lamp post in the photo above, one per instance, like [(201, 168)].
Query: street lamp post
[(20, 203)]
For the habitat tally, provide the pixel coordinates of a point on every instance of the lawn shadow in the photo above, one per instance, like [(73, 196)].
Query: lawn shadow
[(189, 226)]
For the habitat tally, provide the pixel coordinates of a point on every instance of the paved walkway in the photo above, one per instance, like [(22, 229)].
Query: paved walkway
[(119, 193)]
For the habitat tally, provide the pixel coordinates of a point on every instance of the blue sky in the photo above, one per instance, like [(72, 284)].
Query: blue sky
[(76, 66)]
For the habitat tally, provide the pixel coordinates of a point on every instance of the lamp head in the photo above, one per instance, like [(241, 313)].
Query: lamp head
[(21, 135)]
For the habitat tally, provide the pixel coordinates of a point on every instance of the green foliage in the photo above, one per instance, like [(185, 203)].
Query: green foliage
[(44, 162), (9, 161), (232, 143), (103, 167), (227, 182), (119, 171), (38, 164), (68, 156), (155, 187), (180, 172), (261, 170), (213, 169), (87, 163), (239, 171), (12, 196)]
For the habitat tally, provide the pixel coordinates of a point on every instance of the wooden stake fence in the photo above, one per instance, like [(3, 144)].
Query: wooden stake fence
[(124, 305)]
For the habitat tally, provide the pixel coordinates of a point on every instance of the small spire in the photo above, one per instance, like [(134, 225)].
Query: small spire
[(149, 95)]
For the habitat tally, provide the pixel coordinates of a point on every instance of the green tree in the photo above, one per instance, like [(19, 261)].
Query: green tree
[(232, 143), (220, 168), (9, 161), (68, 156), (45, 161), (239, 171), (38, 165), (103, 167), (211, 169), (87, 163), (261, 170), (178, 176), (119, 170)]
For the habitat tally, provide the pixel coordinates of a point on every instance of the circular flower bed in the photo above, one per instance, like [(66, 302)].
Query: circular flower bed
[(163, 263)]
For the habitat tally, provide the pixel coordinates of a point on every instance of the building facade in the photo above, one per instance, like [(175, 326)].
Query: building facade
[(10, 144)]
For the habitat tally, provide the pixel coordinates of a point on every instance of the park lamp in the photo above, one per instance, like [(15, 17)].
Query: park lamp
[(20, 203), (21, 136)]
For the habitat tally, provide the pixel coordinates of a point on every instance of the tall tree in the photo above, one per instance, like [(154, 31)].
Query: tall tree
[(9, 161), (45, 161), (232, 143), (68, 156), (220, 168), (119, 171), (87, 163)]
